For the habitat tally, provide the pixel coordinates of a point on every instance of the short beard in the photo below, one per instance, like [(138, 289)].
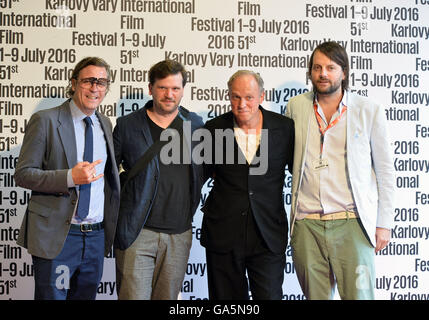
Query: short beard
[(333, 88)]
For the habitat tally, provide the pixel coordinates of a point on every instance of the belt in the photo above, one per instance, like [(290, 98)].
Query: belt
[(86, 227), (331, 216)]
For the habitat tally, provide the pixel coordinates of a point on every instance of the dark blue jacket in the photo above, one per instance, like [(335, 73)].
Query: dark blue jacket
[(132, 138)]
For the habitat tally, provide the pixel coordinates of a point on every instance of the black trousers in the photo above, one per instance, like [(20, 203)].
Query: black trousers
[(226, 271)]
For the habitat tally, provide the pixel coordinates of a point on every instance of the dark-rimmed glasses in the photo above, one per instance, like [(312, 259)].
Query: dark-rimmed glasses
[(87, 83)]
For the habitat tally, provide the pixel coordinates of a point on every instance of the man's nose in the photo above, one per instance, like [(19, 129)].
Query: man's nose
[(242, 103), (324, 72), (168, 92), (93, 86)]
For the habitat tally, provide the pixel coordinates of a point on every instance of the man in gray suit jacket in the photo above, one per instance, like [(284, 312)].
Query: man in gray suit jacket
[(343, 182), (70, 221)]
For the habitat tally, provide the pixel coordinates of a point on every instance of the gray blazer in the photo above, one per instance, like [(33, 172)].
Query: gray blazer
[(369, 159), (47, 153)]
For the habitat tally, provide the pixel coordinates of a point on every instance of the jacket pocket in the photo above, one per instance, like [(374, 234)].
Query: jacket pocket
[(39, 209)]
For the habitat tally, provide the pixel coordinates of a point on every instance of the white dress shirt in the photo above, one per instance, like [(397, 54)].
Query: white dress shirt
[(326, 190), (248, 142)]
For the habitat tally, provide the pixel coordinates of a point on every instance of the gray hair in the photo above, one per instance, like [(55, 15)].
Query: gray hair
[(240, 73)]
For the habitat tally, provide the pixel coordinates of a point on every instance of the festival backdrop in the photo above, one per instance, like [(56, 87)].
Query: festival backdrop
[(388, 46)]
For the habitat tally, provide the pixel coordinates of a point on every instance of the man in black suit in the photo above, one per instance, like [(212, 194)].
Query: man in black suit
[(244, 226)]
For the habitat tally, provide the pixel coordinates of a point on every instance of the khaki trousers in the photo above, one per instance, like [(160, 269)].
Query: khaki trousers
[(153, 267), (332, 252)]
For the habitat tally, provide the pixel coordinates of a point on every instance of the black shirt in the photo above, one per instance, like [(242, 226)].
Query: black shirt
[(171, 210)]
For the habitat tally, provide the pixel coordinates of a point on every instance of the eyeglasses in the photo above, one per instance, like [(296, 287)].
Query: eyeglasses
[(87, 83)]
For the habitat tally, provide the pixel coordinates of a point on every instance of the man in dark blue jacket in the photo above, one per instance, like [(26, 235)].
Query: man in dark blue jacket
[(154, 233)]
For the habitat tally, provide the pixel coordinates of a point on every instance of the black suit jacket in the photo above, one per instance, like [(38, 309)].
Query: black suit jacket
[(235, 191)]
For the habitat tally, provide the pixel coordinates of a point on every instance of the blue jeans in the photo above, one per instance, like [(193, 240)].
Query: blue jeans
[(75, 273)]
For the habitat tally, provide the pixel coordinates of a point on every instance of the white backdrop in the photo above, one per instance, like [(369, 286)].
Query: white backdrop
[(388, 46)]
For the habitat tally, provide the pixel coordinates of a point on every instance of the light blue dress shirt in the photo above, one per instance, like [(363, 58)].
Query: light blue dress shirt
[(96, 204)]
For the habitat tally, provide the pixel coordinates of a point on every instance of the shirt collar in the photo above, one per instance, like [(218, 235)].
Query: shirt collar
[(343, 101), (77, 114)]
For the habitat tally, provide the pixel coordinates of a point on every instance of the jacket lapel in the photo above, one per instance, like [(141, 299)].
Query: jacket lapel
[(307, 113), (354, 128), (107, 135), (145, 130), (110, 148), (266, 124), (239, 156), (66, 133), (145, 127)]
